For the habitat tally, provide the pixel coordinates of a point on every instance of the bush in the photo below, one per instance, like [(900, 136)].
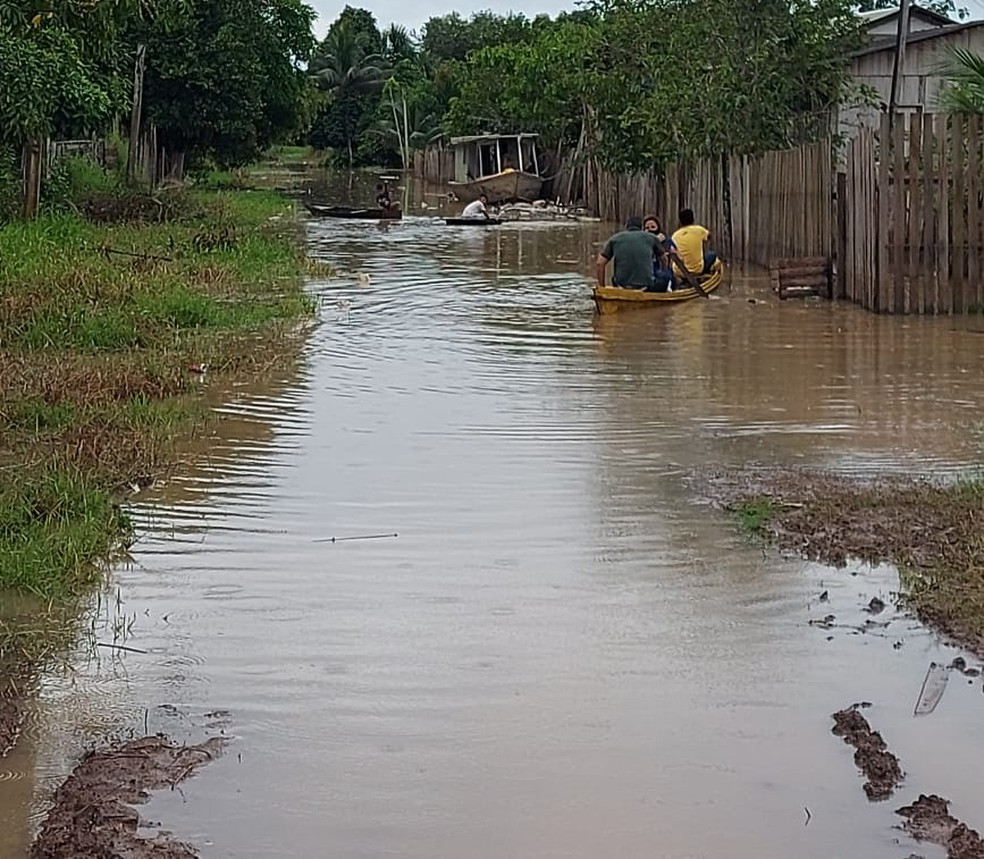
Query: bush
[(10, 183), (72, 180)]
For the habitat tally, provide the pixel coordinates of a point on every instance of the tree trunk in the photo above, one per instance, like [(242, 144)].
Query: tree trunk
[(32, 166), (726, 199), (351, 158), (133, 152), (406, 135)]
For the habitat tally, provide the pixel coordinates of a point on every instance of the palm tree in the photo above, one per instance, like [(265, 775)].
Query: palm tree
[(412, 127), (345, 68), (398, 44), (963, 76)]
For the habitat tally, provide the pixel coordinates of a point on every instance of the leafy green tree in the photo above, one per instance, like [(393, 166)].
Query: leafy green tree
[(362, 23), (223, 77), (541, 86), (44, 78), (451, 37), (59, 64), (348, 68)]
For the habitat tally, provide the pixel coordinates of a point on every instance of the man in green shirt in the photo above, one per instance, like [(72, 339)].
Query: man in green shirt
[(633, 251)]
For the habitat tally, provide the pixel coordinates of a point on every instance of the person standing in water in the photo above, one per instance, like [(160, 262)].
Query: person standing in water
[(632, 251)]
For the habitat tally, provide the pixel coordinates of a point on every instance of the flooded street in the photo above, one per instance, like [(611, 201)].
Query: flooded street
[(564, 652)]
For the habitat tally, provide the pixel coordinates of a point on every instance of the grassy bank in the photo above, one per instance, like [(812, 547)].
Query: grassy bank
[(106, 317), (933, 533)]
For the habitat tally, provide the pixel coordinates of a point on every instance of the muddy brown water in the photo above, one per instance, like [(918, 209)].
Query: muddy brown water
[(562, 654)]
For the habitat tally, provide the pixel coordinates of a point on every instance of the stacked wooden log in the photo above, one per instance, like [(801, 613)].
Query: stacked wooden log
[(798, 277)]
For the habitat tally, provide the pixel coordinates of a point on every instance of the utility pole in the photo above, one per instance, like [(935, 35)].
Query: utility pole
[(898, 69)]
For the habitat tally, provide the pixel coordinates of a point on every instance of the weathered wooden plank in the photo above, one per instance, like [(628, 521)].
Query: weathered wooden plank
[(801, 262), (820, 279), (930, 256), (877, 220), (900, 274), (943, 210), (958, 216), (803, 271), (880, 298), (858, 217), (852, 274), (915, 300), (974, 273)]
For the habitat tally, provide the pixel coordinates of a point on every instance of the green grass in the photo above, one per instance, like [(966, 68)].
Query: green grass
[(53, 527), (96, 349), (931, 531), (754, 514), (290, 153)]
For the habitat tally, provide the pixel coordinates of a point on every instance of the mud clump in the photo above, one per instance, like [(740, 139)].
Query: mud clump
[(91, 815), (929, 819), (871, 755)]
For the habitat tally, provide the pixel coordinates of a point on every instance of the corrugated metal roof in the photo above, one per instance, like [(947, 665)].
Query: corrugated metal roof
[(474, 138), (888, 43), (876, 15)]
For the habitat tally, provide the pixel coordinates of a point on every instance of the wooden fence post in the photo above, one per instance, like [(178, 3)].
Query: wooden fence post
[(839, 286), (31, 163), (138, 79)]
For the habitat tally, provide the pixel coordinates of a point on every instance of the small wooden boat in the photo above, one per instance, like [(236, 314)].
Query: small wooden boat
[(323, 211), (473, 222), (609, 299)]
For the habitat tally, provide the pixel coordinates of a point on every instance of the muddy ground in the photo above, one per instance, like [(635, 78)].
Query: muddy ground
[(933, 533), (92, 813), (928, 819), (880, 767)]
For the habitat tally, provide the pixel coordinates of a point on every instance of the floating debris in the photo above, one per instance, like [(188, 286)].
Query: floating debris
[(933, 687)]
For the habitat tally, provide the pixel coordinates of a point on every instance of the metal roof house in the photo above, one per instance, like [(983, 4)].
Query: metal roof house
[(885, 22), (931, 38)]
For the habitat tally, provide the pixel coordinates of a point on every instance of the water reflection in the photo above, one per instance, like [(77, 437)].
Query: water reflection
[(561, 655)]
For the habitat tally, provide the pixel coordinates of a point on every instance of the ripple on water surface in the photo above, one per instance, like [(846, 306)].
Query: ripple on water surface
[(560, 655)]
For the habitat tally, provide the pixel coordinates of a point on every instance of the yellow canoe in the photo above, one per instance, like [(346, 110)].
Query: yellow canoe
[(609, 299)]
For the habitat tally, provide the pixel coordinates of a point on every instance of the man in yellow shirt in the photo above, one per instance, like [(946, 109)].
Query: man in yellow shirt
[(691, 244)]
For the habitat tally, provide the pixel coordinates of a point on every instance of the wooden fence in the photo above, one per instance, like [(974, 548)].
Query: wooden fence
[(903, 223), (775, 205), (910, 215), (434, 164)]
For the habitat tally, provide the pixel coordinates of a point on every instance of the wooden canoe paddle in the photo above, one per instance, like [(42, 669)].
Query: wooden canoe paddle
[(690, 279)]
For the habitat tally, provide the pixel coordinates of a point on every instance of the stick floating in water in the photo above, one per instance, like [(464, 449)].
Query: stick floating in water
[(362, 537)]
